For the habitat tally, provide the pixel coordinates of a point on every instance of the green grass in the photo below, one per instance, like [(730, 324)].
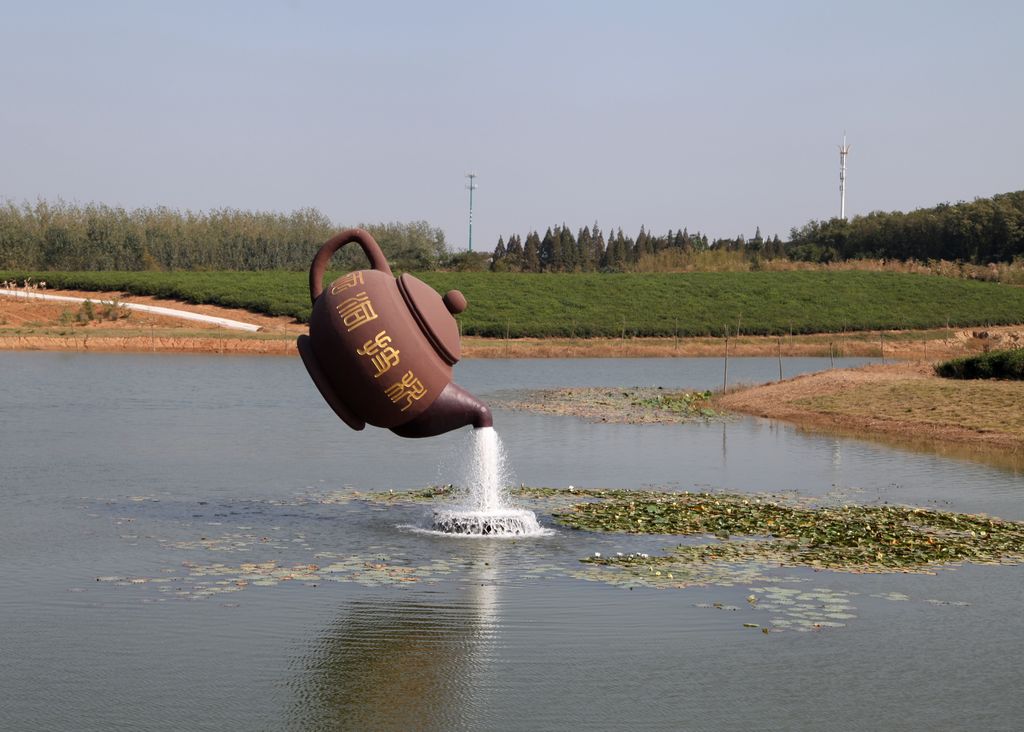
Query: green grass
[(689, 304), (992, 365)]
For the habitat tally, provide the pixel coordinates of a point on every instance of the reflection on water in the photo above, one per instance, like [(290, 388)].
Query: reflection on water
[(1012, 461), (398, 664), (392, 665), (488, 376)]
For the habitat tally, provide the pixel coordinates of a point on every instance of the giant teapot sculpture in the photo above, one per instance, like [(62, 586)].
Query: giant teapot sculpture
[(381, 349)]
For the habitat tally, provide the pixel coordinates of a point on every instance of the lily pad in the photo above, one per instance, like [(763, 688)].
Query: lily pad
[(850, 537)]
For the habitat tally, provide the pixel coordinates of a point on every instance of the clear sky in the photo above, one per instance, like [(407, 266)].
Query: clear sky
[(717, 116)]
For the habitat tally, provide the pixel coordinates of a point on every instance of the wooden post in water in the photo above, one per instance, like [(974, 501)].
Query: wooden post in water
[(881, 348), (831, 358), (725, 376), (780, 358)]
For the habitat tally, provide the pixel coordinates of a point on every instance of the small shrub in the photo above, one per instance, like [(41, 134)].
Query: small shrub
[(86, 313), (113, 310), (992, 365)]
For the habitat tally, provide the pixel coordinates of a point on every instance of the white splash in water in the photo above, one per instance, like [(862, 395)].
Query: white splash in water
[(484, 511)]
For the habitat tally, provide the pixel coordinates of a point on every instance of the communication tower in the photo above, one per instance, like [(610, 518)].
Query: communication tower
[(471, 187), (844, 149)]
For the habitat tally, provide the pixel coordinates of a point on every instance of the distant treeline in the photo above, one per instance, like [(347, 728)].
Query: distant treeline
[(95, 237), (980, 232), (559, 250)]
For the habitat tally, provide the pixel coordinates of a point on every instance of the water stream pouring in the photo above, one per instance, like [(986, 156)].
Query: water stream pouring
[(381, 349), (484, 511)]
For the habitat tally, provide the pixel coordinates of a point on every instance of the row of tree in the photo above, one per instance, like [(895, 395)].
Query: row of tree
[(980, 232), (95, 237), (983, 231), (559, 250)]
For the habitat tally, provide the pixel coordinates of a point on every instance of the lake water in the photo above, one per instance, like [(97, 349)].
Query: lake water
[(154, 506)]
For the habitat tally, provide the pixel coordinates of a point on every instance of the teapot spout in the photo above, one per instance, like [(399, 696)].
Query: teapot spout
[(454, 407)]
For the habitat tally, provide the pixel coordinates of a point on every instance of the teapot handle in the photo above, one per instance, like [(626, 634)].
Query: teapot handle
[(336, 242)]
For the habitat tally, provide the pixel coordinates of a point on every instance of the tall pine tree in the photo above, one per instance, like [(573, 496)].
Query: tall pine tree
[(498, 263), (531, 253), (550, 252), (597, 246), (584, 250), (567, 248), (514, 253)]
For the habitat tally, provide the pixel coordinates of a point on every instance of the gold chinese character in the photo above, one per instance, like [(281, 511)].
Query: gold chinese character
[(350, 280), (409, 388), (382, 355), (356, 310)]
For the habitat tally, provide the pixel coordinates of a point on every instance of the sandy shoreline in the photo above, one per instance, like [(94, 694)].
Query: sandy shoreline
[(905, 401)]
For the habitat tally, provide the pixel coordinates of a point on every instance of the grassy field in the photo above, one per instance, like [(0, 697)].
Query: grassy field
[(587, 305)]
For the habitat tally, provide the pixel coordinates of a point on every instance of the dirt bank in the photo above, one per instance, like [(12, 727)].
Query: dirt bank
[(922, 345), (902, 400), (55, 326)]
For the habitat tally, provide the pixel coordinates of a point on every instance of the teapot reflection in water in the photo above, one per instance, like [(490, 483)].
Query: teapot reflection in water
[(381, 349)]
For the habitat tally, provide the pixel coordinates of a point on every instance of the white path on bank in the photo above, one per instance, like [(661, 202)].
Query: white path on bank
[(156, 310)]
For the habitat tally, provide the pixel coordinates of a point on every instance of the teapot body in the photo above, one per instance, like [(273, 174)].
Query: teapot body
[(380, 350), (373, 352)]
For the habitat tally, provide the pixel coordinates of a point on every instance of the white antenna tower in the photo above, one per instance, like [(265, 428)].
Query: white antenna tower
[(472, 187), (844, 150)]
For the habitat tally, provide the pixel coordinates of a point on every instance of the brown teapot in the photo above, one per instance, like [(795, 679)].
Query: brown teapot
[(381, 349)]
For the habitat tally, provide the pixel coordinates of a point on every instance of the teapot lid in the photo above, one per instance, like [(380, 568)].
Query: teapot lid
[(432, 314)]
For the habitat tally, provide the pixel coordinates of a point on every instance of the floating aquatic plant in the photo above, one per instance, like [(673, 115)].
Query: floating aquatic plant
[(848, 537), (755, 536), (672, 572), (418, 495), (635, 405), (196, 580), (686, 403), (801, 610)]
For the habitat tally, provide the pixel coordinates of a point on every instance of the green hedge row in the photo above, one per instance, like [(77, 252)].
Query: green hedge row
[(992, 365), (580, 304)]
